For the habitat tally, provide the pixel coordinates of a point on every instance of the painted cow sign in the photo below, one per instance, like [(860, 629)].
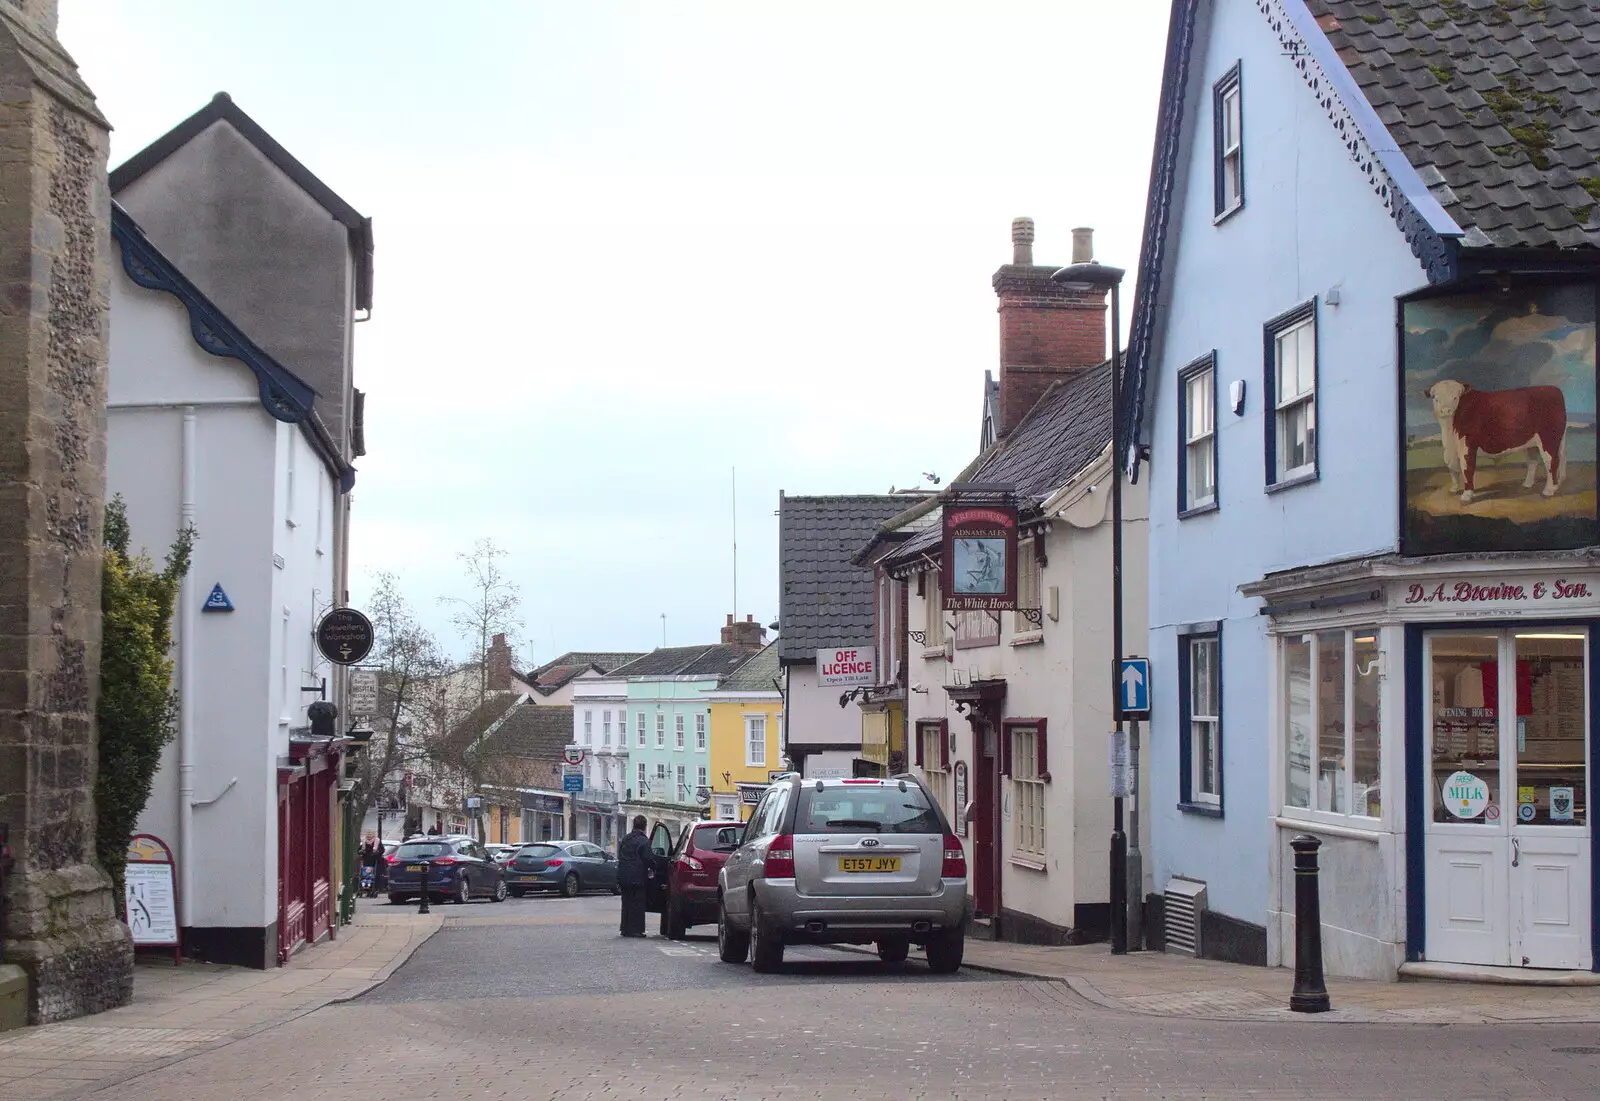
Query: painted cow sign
[(1497, 422)]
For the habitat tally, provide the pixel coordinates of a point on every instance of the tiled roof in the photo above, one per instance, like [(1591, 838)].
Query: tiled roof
[(823, 600), (668, 661), (603, 660), (718, 661), (1496, 105), (1063, 433), (558, 675), (756, 674), (478, 720), (531, 731)]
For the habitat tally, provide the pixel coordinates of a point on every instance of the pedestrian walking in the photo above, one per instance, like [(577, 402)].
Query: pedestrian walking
[(634, 860)]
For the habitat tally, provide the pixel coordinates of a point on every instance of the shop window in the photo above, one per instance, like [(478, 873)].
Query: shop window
[(1333, 738), (1200, 707)]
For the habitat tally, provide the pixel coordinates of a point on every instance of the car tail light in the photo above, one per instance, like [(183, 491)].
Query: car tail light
[(955, 858), (553, 862), (444, 860), (392, 859), (691, 863), (780, 857)]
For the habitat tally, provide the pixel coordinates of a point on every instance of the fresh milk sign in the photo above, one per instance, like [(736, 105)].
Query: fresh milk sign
[(1465, 796), (850, 665)]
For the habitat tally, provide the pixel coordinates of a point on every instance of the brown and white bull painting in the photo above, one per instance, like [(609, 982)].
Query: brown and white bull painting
[(1497, 422)]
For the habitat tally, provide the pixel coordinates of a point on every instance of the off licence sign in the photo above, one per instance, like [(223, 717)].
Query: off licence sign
[(852, 665)]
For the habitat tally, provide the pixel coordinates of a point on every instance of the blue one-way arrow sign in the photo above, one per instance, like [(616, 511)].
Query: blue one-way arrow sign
[(1135, 681)]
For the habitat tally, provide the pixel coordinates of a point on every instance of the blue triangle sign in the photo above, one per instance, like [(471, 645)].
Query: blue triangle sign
[(218, 601)]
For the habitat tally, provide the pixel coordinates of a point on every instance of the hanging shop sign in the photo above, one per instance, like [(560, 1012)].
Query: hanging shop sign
[(150, 893), (978, 572), (847, 665), (750, 794), (344, 636), (361, 692)]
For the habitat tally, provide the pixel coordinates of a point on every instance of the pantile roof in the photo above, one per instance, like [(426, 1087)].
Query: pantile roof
[(1496, 104), (823, 599)]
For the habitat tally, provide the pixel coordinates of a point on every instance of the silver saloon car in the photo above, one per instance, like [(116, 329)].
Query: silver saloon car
[(844, 862)]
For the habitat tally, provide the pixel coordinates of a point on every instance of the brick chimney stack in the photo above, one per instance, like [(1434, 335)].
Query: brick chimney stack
[(748, 636), (1047, 331), (499, 662)]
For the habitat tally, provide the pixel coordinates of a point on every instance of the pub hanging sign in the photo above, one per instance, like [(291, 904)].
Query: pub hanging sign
[(979, 569)]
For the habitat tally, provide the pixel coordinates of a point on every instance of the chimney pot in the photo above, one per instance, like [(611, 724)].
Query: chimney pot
[(730, 619), (1022, 241), (1082, 245)]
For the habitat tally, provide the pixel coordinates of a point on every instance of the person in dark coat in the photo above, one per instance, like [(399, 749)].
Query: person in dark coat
[(635, 862)]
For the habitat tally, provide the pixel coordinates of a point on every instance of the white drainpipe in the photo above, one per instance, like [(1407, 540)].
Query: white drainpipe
[(188, 617)]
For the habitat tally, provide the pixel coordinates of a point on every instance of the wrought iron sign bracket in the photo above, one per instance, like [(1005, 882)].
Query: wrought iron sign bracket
[(919, 637), (1034, 616)]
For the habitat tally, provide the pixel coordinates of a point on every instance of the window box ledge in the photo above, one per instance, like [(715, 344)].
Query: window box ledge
[(1229, 213), (1033, 864), (1203, 810), (1198, 510), (931, 652), (1032, 638), (1297, 480)]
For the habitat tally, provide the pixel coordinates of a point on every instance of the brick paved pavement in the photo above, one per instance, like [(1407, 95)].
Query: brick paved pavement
[(178, 1011), (1153, 982), (541, 999)]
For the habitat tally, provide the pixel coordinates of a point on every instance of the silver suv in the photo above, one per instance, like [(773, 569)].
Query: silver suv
[(844, 862)]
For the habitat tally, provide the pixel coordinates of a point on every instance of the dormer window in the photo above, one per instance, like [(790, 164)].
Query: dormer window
[(1227, 114)]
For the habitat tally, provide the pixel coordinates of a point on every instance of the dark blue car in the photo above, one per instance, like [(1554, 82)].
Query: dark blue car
[(457, 868), (565, 866)]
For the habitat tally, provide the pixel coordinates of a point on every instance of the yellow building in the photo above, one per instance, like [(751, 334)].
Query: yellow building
[(746, 716)]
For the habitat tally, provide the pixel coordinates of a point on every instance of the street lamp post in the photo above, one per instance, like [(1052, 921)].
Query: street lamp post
[(1093, 276)]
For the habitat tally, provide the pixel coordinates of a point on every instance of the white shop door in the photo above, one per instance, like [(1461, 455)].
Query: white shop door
[(1507, 722)]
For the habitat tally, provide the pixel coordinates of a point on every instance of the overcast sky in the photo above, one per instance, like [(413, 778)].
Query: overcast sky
[(624, 248)]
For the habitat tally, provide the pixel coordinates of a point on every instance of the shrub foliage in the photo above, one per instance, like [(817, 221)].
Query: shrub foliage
[(138, 708)]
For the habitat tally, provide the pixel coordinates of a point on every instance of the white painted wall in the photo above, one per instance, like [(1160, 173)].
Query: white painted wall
[(243, 507), (814, 716), (1064, 679), (1310, 223)]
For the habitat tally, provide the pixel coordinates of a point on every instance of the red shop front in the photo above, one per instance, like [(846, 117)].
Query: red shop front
[(306, 794)]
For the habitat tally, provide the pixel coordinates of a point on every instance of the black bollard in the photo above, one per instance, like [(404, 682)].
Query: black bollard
[(1310, 991), (423, 909)]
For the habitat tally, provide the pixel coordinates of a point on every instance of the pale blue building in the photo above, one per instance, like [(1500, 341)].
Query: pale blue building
[(1369, 267)]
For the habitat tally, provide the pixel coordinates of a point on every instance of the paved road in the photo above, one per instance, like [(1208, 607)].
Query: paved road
[(540, 998)]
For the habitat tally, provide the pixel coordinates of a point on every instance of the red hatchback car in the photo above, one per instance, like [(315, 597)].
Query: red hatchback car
[(702, 849)]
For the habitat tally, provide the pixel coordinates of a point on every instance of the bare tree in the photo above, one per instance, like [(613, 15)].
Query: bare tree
[(410, 667), (490, 609)]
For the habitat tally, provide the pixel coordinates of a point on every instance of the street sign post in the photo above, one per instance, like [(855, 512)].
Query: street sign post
[(573, 754), (1119, 765), (1134, 683)]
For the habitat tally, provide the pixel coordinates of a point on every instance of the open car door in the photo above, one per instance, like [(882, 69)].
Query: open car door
[(655, 892)]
